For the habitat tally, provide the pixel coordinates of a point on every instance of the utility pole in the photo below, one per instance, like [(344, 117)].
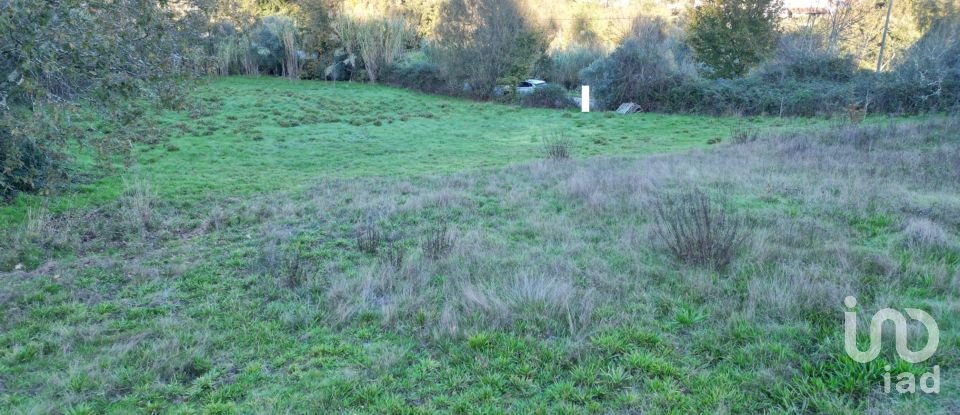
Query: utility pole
[(883, 41)]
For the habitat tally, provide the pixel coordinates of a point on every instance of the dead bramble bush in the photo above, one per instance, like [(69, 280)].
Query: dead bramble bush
[(368, 238), (438, 242), (696, 230)]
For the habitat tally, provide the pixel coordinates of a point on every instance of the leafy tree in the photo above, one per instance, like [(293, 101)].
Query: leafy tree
[(99, 53), (479, 42), (732, 36), (315, 18), (646, 69), (855, 28)]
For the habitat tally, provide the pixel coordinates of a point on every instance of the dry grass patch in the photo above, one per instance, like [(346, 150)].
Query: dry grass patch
[(924, 235)]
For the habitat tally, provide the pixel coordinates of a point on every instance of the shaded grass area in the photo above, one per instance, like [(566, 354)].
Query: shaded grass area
[(547, 292), (242, 136)]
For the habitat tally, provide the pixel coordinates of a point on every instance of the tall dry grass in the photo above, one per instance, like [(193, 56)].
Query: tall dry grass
[(375, 33)]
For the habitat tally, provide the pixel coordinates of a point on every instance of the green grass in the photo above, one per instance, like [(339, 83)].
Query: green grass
[(223, 273), (245, 136)]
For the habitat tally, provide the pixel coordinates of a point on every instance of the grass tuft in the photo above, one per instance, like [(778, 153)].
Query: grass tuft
[(557, 146)]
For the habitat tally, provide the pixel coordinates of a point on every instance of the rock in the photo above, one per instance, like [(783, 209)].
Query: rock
[(628, 108)]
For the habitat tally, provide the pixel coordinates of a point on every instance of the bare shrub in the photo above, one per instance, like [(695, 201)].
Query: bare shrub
[(368, 239), (929, 70), (696, 230), (438, 242), (557, 147)]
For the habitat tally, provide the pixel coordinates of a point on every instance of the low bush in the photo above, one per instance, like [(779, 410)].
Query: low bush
[(24, 165), (548, 96), (696, 230), (420, 76), (647, 69), (285, 260), (924, 235), (744, 134), (803, 57), (755, 96), (314, 69), (394, 257), (137, 210), (563, 67)]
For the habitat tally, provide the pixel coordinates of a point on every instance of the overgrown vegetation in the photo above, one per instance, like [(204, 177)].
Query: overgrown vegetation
[(549, 96), (280, 247), (535, 287), (650, 68), (482, 42)]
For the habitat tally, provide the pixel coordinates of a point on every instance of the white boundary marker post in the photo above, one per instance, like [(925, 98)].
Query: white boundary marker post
[(585, 98)]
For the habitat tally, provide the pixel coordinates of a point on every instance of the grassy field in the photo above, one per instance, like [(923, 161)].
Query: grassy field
[(244, 136), (286, 251)]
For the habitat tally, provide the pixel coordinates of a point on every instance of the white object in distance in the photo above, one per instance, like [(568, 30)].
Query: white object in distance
[(585, 98)]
